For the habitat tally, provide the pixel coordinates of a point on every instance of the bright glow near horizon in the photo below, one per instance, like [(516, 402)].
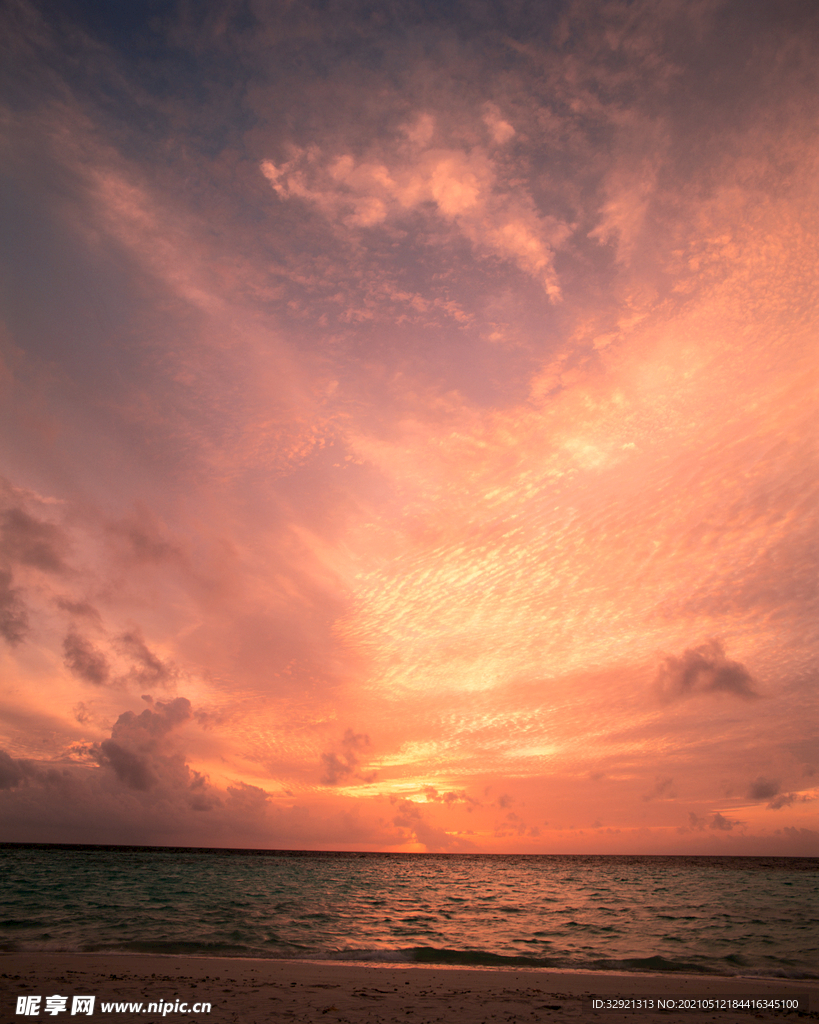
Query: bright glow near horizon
[(409, 427)]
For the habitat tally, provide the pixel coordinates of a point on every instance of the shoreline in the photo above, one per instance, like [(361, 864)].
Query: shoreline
[(401, 965), (248, 990)]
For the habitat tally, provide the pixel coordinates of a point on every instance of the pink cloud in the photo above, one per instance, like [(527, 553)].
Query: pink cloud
[(300, 440)]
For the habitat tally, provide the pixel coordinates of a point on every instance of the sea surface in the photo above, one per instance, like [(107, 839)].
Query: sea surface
[(701, 915)]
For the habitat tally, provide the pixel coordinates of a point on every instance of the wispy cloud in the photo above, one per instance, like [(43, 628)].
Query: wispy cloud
[(448, 375)]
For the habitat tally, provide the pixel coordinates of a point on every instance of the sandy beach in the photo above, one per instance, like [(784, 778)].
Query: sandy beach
[(257, 991)]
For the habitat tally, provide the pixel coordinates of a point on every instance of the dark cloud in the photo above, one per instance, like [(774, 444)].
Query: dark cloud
[(805, 840), (517, 826), (149, 669), (13, 616), (30, 541), (335, 768), (12, 772), (82, 713), (147, 726), (82, 804), (130, 768), (146, 538), (143, 756), (662, 788), (451, 797), (244, 796), (199, 796), (136, 753), (781, 800), (80, 608), (723, 824), (410, 817), (763, 789), (85, 660), (703, 669)]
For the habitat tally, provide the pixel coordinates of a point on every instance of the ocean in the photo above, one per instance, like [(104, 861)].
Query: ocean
[(751, 916)]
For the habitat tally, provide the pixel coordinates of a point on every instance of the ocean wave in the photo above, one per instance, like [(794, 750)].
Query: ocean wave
[(482, 912)]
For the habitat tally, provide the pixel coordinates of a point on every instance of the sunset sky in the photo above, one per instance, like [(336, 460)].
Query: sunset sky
[(409, 425)]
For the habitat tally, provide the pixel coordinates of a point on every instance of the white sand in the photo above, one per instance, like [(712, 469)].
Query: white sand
[(262, 991)]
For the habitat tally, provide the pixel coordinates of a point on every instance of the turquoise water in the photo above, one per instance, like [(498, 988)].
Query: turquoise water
[(748, 916)]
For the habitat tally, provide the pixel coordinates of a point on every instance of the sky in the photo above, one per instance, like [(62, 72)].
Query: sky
[(409, 425)]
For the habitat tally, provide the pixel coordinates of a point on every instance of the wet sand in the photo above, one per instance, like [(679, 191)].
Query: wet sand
[(263, 991)]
